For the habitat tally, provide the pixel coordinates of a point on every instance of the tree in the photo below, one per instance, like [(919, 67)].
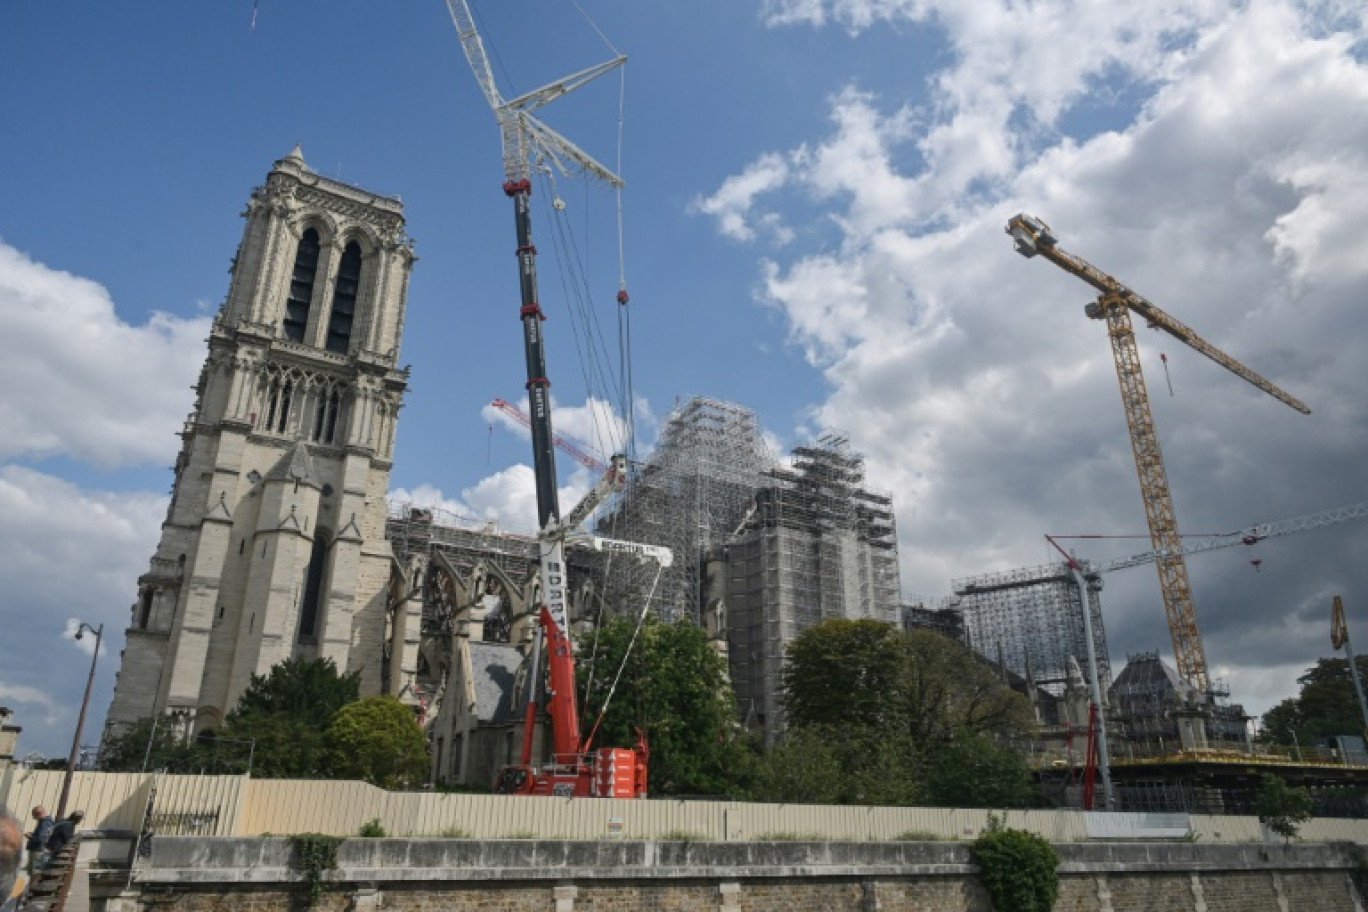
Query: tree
[(846, 672), (976, 770), (901, 714), (843, 672), (1324, 707), (674, 686), (285, 713), (831, 764), (377, 739), (1281, 807), (163, 749)]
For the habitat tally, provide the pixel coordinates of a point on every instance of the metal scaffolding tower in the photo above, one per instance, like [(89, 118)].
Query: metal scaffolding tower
[(1031, 621), (689, 496), (815, 545)]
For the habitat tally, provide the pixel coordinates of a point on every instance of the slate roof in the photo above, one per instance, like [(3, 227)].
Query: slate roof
[(494, 667), (1148, 674)]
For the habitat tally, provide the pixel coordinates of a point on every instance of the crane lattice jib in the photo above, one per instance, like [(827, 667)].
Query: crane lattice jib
[(1154, 491), (1250, 535), (1114, 304)]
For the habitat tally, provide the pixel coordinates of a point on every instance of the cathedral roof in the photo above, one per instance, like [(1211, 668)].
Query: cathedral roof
[(296, 466)]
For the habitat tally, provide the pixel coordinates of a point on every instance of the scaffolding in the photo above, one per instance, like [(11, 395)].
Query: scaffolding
[(815, 544), (1031, 621), (689, 496)]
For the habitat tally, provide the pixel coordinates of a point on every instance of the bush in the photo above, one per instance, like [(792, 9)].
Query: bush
[(372, 829), (311, 854), (1281, 807), (1017, 868)]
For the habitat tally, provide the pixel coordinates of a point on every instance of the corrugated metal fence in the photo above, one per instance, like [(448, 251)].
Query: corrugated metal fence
[(239, 806)]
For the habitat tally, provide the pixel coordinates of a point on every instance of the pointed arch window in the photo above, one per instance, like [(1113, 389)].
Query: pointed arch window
[(344, 299), (301, 286)]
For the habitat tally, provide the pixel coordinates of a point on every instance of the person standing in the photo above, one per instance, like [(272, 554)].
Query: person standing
[(42, 829)]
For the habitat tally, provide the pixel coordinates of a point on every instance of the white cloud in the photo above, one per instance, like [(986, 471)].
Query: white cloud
[(982, 397), (733, 201), (69, 553), (76, 380)]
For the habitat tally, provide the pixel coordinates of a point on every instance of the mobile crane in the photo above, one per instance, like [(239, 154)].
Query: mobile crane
[(529, 145), (1114, 304)]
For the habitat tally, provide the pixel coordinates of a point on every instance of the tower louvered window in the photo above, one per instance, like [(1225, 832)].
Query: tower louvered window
[(313, 587), (344, 299), (301, 287)]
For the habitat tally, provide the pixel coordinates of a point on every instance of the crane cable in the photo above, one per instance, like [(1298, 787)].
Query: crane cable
[(612, 689)]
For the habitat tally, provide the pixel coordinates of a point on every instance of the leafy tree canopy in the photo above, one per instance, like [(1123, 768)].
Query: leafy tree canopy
[(1325, 706), (674, 686), (868, 673), (976, 770), (309, 690), (882, 716), (377, 739), (284, 715)]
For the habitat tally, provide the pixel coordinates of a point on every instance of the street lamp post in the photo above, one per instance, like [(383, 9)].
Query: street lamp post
[(80, 720)]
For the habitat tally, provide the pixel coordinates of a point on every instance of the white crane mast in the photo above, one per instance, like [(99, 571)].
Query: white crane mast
[(527, 142)]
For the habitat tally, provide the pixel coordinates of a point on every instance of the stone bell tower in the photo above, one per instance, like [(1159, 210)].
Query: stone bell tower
[(274, 544)]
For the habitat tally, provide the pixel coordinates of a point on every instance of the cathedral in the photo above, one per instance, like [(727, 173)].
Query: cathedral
[(274, 546)]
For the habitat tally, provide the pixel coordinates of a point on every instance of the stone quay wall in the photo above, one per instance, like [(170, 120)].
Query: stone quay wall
[(194, 874)]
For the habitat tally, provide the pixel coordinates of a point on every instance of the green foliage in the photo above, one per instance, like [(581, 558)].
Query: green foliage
[(918, 836), (311, 854), (1018, 869), (833, 764), (789, 837), (1281, 807), (372, 829), (285, 714), (882, 716), (377, 739), (1325, 706), (674, 686), (976, 770), (455, 832)]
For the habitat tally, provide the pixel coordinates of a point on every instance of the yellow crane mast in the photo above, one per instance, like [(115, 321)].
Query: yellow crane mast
[(1114, 303)]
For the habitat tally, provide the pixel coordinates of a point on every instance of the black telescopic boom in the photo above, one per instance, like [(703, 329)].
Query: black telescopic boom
[(538, 386)]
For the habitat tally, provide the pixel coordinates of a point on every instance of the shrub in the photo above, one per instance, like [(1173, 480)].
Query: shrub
[(372, 829), (1017, 868), (310, 855)]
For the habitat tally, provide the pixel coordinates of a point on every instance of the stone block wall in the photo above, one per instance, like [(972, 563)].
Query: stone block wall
[(188, 874)]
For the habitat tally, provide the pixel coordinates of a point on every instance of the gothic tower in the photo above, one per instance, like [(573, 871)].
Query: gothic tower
[(274, 544)]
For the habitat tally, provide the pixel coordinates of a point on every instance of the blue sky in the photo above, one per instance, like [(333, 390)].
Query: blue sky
[(813, 228)]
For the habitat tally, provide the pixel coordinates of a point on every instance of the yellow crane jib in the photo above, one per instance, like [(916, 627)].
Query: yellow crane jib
[(1115, 302)]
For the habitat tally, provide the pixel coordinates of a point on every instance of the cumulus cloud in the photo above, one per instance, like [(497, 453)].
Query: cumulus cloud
[(981, 395), (78, 380), (71, 555), (732, 202)]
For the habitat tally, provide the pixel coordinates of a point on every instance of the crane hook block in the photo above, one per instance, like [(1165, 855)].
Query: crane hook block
[(513, 188), (533, 310), (622, 296)]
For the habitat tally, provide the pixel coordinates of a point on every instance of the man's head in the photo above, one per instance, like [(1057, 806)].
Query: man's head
[(39, 812), (11, 849)]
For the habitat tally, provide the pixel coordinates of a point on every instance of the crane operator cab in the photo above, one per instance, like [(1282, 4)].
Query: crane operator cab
[(1029, 234)]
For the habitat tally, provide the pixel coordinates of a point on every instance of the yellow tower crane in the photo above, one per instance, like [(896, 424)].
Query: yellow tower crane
[(1114, 304)]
